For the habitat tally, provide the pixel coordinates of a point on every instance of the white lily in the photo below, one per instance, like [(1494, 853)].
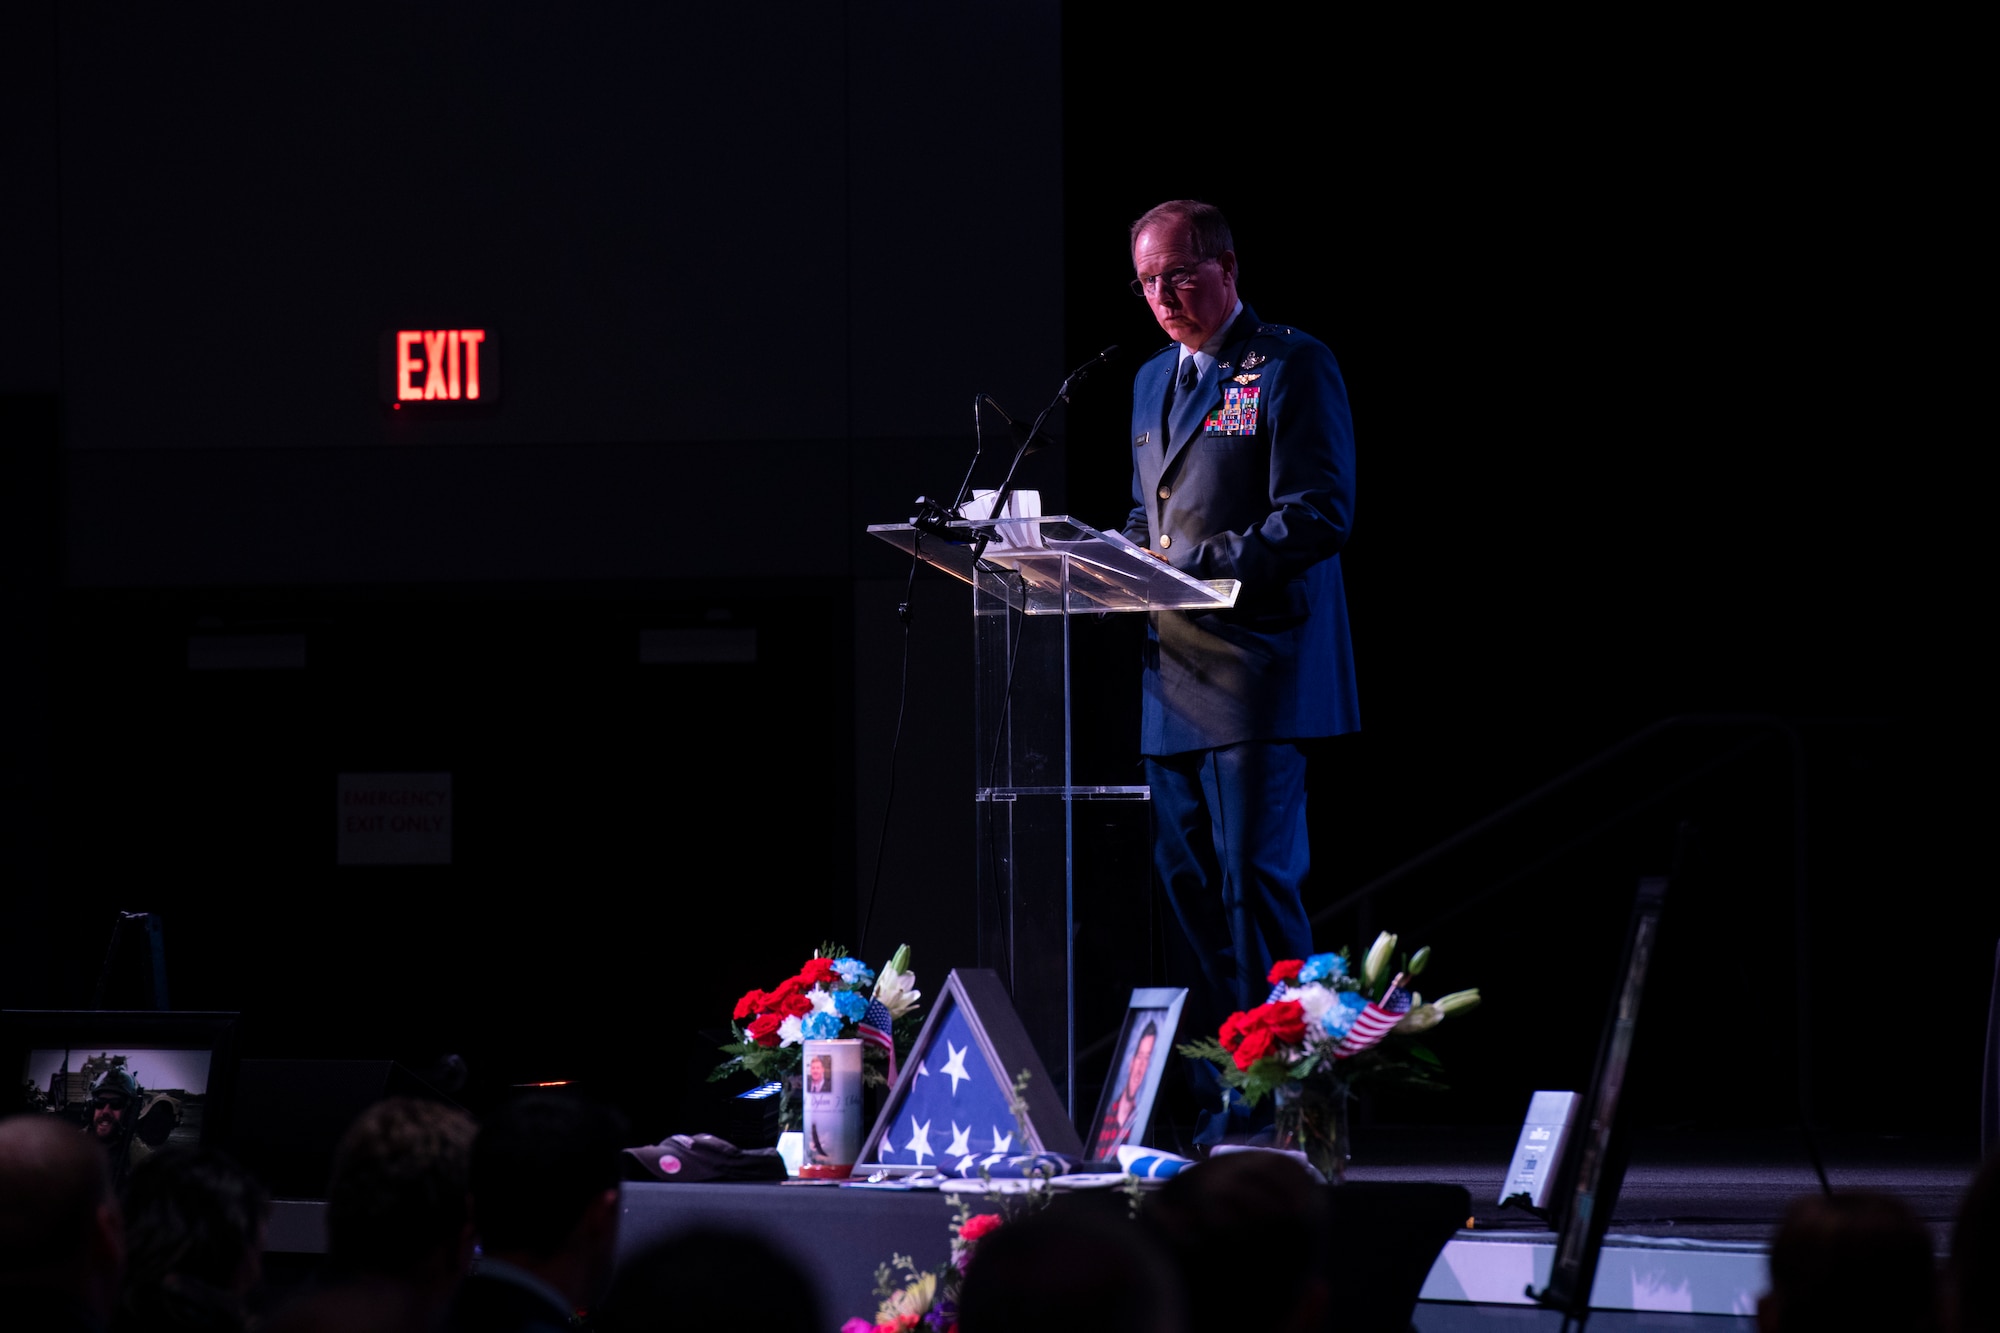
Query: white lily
[(1458, 1001), (897, 990), (1421, 1018), (1377, 961), (1424, 1017)]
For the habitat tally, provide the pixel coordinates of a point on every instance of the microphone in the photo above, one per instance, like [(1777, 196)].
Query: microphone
[(1021, 431), (1028, 443), (1077, 376)]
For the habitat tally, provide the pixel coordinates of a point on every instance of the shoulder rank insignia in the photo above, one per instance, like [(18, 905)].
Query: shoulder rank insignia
[(1245, 379), (1254, 360)]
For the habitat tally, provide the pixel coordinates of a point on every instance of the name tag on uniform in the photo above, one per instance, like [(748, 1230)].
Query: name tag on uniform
[(1238, 413)]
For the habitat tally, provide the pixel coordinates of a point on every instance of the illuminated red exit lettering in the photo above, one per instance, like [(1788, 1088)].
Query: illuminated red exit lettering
[(437, 363)]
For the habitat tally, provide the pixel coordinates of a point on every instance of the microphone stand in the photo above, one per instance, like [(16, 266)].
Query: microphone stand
[(985, 535), (931, 517)]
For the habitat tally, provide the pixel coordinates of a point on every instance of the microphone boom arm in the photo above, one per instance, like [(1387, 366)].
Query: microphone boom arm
[(1006, 489)]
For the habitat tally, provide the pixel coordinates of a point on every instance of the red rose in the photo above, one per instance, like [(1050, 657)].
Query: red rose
[(815, 972), (764, 1031), (1250, 1036), (1286, 971), (753, 1002), (1286, 1020), (1256, 1045), (795, 1005), (789, 986)]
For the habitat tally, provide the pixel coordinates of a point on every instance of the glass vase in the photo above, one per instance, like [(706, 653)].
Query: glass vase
[(792, 1101), (1311, 1117)]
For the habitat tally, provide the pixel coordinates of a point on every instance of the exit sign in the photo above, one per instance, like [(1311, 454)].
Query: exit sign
[(448, 368)]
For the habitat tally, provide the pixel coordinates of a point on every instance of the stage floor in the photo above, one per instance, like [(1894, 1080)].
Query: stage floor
[(1690, 1186), (1687, 1243)]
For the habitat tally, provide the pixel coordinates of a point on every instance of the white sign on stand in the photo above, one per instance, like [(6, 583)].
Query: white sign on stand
[(394, 819), (1539, 1151)]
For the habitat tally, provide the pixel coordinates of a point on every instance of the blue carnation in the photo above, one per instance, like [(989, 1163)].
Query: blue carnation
[(853, 971), (851, 1004), (1347, 1006), (820, 1027), (1321, 966)]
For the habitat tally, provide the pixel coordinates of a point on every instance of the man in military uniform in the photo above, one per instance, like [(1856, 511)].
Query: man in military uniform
[(116, 1101), (127, 1121), (1243, 468)]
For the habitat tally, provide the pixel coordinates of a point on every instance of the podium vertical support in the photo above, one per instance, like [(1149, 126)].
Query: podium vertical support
[(1025, 845), (1029, 576)]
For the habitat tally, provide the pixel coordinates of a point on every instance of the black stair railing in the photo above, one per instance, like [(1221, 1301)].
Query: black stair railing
[(1768, 726)]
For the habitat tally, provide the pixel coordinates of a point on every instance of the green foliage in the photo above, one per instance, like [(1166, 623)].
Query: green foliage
[(887, 1283), (763, 1063), (1407, 1066)]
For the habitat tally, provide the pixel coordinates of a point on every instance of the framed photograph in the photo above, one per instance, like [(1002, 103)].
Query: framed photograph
[(137, 1080), (1144, 1041), (954, 1096)]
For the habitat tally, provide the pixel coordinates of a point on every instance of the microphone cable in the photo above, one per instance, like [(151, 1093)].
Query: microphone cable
[(903, 613)]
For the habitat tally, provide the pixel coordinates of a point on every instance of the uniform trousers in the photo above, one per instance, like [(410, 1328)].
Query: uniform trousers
[(1231, 853)]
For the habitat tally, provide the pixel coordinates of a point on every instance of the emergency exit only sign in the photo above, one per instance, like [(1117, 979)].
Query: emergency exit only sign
[(394, 819)]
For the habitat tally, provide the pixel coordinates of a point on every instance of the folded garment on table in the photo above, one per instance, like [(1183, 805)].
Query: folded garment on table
[(699, 1157), (1151, 1163)]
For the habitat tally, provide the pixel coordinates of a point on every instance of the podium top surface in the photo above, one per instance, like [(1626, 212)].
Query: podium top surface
[(1055, 565)]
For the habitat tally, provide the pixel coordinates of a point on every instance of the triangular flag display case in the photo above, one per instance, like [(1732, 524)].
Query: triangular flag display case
[(954, 1094)]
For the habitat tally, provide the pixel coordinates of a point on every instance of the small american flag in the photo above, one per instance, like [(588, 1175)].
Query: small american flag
[(875, 1027), (1373, 1023)]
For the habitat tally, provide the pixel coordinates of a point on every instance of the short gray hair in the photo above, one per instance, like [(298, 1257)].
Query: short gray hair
[(1207, 229)]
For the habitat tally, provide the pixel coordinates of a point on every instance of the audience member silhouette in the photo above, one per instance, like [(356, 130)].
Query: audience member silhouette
[(1971, 1294), (398, 1223), (1078, 1264), (1859, 1261), (545, 1185), (62, 1237), (710, 1280), (1248, 1212), (194, 1236)]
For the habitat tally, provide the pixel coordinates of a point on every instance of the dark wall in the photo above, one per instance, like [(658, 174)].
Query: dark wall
[(723, 254), (1647, 398), (1648, 426)]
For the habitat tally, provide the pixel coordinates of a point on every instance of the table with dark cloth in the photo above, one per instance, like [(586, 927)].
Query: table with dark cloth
[(836, 1236)]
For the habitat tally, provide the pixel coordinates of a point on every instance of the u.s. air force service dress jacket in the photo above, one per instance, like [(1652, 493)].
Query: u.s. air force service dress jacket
[(1252, 479)]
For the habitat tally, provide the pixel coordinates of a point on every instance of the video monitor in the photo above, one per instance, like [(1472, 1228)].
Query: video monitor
[(149, 1077)]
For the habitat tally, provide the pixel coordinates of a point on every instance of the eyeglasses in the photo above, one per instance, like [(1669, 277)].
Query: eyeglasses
[(1180, 279)]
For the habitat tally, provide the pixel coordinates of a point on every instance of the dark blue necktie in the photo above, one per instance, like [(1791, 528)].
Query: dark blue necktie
[(1178, 396)]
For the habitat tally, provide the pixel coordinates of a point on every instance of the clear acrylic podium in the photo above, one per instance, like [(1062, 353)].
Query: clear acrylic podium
[(1032, 577)]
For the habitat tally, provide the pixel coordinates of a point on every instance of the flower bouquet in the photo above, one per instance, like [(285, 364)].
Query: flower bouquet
[(1322, 1031), (833, 996), (926, 1298)]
